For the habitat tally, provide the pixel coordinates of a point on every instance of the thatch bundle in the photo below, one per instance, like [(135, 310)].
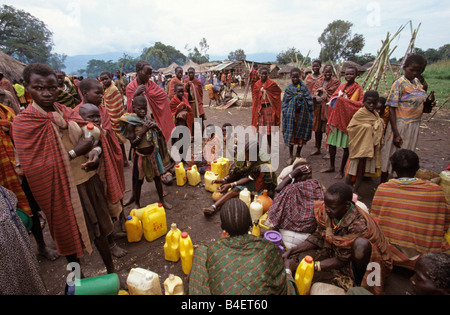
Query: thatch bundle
[(11, 68)]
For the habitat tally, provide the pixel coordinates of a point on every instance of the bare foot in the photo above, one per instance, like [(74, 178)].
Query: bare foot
[(326, 156), (317, 152), (339, 176), (167, 205), (289, 161), (328, 170), (129, 201), (117, 251), (48, 253)]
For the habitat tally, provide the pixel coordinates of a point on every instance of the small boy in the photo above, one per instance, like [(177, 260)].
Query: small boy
[(143, 134), (91, 113), (366, 136)]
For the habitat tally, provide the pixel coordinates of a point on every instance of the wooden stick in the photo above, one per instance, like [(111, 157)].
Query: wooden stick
[(442, 105)]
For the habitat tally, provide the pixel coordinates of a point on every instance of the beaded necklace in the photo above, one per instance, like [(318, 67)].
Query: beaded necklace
[(337, 223)]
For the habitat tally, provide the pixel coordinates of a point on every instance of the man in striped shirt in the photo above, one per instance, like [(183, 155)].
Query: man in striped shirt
[(413, 214)]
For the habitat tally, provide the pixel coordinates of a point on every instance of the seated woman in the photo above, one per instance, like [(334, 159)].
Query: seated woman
[(239, 263), (292, 210), (256, 176), (348, 240), (412, 213)]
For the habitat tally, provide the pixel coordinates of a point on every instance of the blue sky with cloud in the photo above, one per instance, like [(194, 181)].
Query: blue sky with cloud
[(94, 27)]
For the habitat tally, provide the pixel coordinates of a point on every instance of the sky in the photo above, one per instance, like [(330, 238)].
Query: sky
[(85, 27)]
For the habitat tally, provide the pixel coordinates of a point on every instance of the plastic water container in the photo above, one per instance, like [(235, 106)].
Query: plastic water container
[(180, 174), (256, 230), (266, 201), (134, 229), (445, 184), (275, 237), (186, 252), (209, 177), (102, 285), (139, 212), (154, 222), (220, 166), (90, 130), (193, 176), (256, 209), (172, 245), (246, 196), (173, 285), (143, 282), (304, 275)]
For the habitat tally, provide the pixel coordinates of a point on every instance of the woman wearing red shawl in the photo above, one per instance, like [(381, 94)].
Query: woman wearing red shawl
[(324, 87), (352, 248), (156, 97), (345, 102), (266, 107)]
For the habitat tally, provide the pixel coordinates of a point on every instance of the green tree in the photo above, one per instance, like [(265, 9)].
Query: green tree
[(237, 55), (291, 55), (95, 67), (338, 43), (23, 36), (161, 56), (56, 61), (127, 63), (199, 55)]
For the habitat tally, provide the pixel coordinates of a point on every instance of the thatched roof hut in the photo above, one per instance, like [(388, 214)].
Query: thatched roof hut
[(347, 64), (11, 68), (190, 64), (169, 70)]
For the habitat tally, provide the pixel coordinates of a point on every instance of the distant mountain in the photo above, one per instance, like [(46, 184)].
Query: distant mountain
[(258, 57), (75, 63)]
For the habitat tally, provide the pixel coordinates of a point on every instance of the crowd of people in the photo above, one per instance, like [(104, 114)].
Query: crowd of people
[(63, 154)]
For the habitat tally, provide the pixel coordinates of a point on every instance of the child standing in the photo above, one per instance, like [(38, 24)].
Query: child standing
[(143, 134), (366, 136), (345, 102)]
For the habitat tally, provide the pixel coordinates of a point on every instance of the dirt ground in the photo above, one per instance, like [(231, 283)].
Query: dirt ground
[(433, 150)]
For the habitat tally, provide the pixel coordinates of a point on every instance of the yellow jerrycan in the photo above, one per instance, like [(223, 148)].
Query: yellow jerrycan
[(209, 177), (220, 166), (139, 212), (193, 176), (134, 229), (173, 285), (154, 222), (304, 275), (186, 252), (172, 245), (180, 174)]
